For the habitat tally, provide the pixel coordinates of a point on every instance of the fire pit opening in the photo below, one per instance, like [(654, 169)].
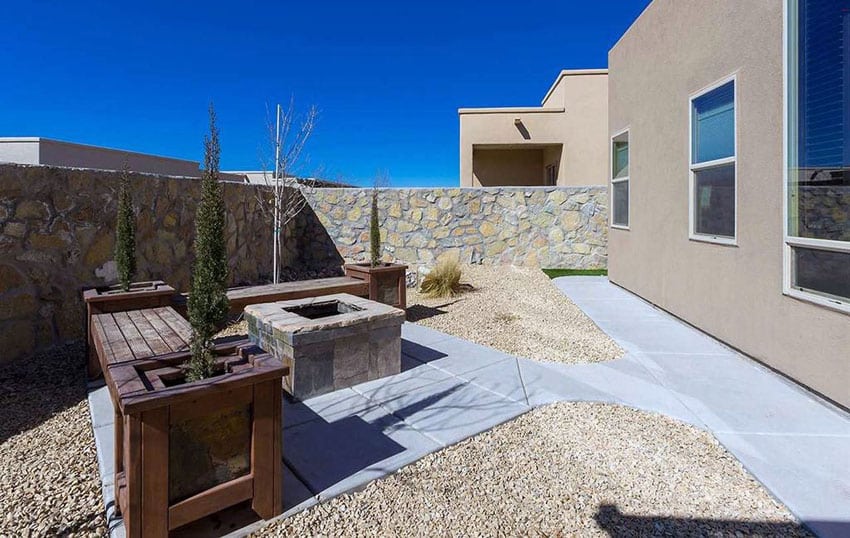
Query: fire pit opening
[(323, 310)]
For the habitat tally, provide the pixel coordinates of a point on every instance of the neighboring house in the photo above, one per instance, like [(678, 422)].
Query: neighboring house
[(260, 177), (45, 151), (729, 129), (563, 142)]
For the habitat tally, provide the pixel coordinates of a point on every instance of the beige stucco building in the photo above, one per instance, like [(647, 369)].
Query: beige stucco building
[(46, 151), (562, 142), (699, 216)]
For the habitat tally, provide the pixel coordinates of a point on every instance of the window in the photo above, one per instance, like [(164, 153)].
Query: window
[(817, 238), (552, 175), (620, 180), (713, 164)]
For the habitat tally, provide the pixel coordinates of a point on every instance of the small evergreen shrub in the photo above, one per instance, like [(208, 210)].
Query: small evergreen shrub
[(375, 232), (208, 298), (443, 280), (125, 235)]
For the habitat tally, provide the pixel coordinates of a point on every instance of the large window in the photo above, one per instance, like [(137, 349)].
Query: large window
[(713, 164), (620, 180), (817, 240)]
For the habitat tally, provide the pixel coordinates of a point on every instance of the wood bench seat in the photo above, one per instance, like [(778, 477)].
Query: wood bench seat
[(239, 298), (139, 334)]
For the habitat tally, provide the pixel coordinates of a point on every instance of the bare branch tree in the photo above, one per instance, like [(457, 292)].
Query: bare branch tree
[(288, 190)]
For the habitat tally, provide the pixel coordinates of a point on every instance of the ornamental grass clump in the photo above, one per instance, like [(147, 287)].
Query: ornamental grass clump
[(443, 280), (125, 235), (208, 298)]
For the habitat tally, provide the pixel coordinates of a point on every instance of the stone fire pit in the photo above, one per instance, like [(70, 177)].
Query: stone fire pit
[(329, 342)]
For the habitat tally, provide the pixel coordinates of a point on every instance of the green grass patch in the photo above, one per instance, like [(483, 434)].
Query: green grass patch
[(555, 273)]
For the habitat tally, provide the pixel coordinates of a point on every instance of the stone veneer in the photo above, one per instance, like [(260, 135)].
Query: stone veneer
[(558, 227), (57, 236), (342, 341)]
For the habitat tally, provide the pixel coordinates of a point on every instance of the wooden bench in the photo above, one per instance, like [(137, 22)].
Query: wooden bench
[(286, 291)]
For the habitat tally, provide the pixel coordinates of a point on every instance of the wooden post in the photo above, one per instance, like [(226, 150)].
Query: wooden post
[(266, 456), (155, 473), (132, 511)]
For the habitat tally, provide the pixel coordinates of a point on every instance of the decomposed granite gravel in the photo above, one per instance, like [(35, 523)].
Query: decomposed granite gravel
[(569, 469), (49, 481), (519, 311)]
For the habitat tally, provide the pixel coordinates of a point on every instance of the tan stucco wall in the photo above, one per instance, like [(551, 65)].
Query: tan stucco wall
[(44, 151), (505, 167), (674, 49), (574, 115)]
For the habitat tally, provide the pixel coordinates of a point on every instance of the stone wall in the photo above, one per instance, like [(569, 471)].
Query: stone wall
[(57, 237), (563, 227)]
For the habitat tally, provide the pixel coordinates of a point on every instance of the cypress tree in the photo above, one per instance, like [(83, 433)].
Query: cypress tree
[(125, 235), (208, 299), (375, 232)]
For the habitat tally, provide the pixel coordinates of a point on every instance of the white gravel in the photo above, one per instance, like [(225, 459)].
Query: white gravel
[(570, 469), (519, 311), (49, 481)]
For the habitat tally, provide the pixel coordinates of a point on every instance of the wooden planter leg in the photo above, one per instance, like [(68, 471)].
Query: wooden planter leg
[(132, 511), (155, 473), (265, 455)]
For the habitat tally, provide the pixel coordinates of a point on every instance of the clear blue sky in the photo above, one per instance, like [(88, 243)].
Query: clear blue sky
[(388, 78)]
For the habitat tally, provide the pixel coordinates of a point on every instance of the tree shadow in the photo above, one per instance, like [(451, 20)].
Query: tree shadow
[(33, 390), (618, 524)]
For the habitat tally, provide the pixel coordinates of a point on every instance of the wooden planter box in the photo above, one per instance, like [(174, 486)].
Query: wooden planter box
[(187, 450), (387, 282), (106, 299)]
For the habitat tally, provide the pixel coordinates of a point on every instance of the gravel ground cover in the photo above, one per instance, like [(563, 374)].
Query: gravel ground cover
[(570, 469), (519, 311), (49, 481)]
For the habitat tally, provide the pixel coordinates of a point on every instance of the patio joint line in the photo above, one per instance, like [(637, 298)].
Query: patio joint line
[(401, 419)]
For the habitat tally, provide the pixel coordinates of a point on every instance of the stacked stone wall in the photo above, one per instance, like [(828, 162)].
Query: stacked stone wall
[(563, 227)]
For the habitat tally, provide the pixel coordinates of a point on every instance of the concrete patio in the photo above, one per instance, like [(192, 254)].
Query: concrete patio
[(451, 389)]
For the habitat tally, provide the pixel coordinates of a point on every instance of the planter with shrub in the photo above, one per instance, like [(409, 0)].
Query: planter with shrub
[(387, 281)]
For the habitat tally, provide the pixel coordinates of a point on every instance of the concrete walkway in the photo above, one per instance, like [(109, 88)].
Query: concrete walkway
[(797, 445), (451, 389)]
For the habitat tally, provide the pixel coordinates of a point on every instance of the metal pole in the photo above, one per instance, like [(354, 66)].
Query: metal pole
[(276, 234)]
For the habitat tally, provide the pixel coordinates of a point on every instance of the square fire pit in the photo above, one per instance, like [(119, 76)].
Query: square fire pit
[(329, 342)]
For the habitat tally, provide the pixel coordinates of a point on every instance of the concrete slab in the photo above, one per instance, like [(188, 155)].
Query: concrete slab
[(421, 335), (296, 495), (808, 473), (389, 388), (453, 410), (735, 394), (796, 444), (546, 383), (500, 378), (104, 441), (100, 405), (329, 407), (335, 457), (462, 356)]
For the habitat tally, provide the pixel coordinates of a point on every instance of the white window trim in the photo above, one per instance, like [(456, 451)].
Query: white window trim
[(614, 180), (692, 234), (792, 241)]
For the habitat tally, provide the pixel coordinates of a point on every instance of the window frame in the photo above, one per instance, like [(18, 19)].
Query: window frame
[(627, 179), (692, 167), (789, 242)]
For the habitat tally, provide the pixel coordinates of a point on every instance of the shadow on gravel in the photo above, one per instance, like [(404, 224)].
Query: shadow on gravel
[(618, 524), (33, 390)]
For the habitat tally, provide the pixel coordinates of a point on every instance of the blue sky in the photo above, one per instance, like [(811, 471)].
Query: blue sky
[(387, 78)]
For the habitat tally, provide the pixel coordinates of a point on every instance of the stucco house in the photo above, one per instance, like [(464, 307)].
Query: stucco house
[(562, 142), (728, 161), (729, 126), (46, 151)]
